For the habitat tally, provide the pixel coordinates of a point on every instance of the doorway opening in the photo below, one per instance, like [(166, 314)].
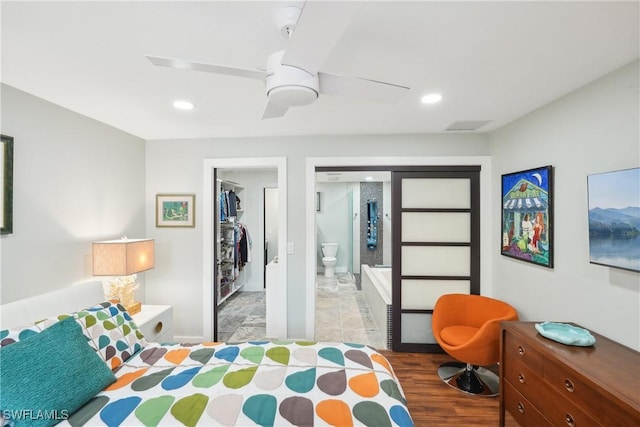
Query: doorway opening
[(234, 207), (480, 250), (353, 230), (241, 251)]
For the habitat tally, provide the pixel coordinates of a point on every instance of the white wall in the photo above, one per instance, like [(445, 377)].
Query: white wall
[(76, 180), (594, 129), (177, 278), (333, 222)]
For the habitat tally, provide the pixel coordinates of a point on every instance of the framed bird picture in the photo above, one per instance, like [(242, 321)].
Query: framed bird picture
[(527, 216)]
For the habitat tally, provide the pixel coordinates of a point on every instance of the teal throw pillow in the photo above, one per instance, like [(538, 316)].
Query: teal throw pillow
[(47, 377)]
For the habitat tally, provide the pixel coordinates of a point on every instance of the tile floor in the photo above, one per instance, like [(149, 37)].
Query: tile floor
[(242, 317), (342, 314)]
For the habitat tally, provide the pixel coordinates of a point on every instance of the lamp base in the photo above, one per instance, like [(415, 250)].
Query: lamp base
[(133, 308)]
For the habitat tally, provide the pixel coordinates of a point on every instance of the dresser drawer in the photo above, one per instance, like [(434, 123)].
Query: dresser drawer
[(521, 409), (562, 412), (516, 349), (619, 417), (575, 390), (558, 409), (528, 383)]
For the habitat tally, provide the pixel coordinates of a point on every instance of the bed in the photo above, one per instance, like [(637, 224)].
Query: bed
[(117, 378)]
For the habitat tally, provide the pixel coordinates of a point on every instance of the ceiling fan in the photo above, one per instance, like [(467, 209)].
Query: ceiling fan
[(292, 77)]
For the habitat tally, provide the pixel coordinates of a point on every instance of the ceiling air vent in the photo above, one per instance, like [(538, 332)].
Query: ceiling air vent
[(467, 125)]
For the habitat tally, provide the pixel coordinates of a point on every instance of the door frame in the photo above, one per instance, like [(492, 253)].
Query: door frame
[(276, 317), (264, 228), (371, 163)]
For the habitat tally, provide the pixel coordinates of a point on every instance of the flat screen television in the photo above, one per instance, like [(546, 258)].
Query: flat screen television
[(614, 219)]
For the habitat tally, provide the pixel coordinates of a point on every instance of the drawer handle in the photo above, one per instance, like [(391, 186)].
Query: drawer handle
[(570, 421), (520, 407), (569, 385), (158, 327), (521, 350), (521, 378)]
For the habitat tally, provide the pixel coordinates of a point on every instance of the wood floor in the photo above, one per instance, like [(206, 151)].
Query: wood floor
[(433, 403)]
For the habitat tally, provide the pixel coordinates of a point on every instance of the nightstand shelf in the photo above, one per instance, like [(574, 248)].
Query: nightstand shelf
[(155, 322)]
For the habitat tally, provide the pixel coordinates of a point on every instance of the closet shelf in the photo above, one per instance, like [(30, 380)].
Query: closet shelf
[(227, 283), (230, 185), (231, 292)]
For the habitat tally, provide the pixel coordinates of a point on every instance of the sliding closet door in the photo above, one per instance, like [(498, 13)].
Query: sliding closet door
[(436, 247)]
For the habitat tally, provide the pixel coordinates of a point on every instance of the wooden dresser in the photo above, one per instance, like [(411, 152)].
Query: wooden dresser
[(545, 383)]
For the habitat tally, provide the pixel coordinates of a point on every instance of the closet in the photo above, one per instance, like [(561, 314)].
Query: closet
[(232, 252)]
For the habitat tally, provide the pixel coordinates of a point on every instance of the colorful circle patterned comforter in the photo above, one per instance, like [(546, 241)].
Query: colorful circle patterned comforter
[(266, 383)]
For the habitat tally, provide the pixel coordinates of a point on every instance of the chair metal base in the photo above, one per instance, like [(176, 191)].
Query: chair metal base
[(470, 379)]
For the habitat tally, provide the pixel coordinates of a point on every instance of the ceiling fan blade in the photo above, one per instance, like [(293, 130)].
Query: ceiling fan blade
[(320, 26), (273, 111), (209, 68), (370, 90)]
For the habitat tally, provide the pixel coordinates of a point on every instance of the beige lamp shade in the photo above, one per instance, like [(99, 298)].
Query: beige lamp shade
[(122, 257)]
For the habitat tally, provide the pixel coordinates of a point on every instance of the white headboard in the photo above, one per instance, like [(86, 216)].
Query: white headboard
[(65, 300)]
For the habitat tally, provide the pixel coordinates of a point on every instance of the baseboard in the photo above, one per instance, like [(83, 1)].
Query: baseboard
[(196, 340), (320, 269), (188, 339)]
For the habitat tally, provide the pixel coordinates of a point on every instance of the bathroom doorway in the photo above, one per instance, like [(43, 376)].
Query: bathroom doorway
[(411, 185), (353, 219), (342, 216)]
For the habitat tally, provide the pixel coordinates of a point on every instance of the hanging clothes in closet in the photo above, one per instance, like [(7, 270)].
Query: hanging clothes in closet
[(224, 208), (243, 246), (228, 205), (231, 200)]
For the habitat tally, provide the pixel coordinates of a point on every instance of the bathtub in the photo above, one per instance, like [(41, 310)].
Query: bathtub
[(376, 287)]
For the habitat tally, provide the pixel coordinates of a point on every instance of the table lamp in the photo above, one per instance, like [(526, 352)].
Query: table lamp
[(124, 258)]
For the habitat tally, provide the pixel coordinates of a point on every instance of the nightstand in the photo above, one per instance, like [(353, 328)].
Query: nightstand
[(155, 322)]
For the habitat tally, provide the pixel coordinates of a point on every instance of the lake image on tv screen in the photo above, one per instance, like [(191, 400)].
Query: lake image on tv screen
[(614, 219)]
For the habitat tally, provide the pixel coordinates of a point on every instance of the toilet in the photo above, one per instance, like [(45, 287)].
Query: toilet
[(329, 260)]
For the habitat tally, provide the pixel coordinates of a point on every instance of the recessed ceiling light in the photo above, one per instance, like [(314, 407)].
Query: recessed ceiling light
[(183, 105), (369, 178), (431, 98)]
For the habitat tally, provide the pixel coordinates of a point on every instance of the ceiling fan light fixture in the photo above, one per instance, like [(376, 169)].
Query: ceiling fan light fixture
[(431, 98), (292, 96), (289, 86), (183, 105)]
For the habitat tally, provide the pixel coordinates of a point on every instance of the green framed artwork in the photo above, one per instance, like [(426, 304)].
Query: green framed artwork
[(527, 216), (175, 210), (6, 198)]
